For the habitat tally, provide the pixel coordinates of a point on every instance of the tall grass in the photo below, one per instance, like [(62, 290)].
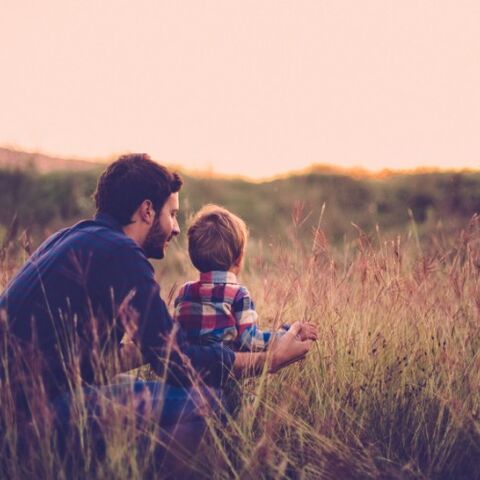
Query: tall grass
[(390, 390)]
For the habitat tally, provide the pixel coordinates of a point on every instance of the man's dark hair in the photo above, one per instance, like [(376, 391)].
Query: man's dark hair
[(130, 180)]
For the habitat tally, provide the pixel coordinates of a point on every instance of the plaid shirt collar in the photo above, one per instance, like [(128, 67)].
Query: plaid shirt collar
[(218, 276)]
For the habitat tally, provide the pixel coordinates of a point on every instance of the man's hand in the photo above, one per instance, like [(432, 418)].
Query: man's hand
[(308, 331), (292, 346), (287, 349)]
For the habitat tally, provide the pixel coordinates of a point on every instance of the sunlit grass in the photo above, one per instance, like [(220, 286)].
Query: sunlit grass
[(390, 390)]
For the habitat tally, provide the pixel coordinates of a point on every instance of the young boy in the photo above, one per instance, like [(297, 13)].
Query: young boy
[(217, 308)]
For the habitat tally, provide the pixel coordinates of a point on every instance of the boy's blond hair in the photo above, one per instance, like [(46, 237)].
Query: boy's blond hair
[(216, 239)]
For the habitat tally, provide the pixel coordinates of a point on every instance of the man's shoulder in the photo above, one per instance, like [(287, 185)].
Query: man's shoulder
[(95, 240), (97, 235)]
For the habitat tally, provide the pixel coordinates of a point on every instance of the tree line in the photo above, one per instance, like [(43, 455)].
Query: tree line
[(40, 203)]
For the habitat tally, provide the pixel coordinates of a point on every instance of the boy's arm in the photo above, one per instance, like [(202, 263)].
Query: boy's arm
[(250, 336)]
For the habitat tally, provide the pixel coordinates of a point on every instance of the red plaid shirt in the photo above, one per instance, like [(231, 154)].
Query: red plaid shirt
[(218, 309)]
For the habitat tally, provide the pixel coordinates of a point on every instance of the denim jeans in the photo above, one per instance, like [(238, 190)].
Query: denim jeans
[(170, 405), (180, 413)]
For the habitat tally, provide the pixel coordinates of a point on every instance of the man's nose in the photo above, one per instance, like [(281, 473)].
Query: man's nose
[(176, 228)]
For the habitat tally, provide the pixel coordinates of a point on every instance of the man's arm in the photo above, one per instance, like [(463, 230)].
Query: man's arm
[(212, 362), (158, 342), (286, 350)]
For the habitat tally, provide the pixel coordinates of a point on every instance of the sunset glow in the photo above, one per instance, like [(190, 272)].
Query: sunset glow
[(254, 87)]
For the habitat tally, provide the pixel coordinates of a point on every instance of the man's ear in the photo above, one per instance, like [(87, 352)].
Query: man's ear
[(146, 212)]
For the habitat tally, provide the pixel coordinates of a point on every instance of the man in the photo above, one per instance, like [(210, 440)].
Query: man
[(71, 304)]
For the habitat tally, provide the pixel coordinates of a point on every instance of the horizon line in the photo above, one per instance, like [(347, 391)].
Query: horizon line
[(210, 172)]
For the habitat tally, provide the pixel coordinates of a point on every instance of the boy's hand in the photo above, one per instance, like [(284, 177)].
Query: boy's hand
[(308, 331)]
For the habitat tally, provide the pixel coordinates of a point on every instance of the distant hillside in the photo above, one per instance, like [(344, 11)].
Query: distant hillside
[(294, 204), (15, 159), (57, 192)]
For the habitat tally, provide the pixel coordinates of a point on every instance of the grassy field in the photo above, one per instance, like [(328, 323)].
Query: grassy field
[(390, 390)]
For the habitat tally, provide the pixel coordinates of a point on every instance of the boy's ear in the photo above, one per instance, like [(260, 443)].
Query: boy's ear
[(239, 261)]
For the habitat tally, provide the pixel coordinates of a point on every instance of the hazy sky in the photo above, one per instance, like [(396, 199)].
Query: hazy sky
[(255, 87)]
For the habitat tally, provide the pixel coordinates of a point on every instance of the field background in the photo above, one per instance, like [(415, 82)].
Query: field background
[(39, 193), (388, 268)]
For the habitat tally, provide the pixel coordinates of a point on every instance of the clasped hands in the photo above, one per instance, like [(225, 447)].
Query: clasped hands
[(293, 346)]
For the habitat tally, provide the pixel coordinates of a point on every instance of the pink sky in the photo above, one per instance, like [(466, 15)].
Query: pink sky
[(255, 87)]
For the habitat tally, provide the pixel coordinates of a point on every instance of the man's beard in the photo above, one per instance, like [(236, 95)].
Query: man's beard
[(154, 245)]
